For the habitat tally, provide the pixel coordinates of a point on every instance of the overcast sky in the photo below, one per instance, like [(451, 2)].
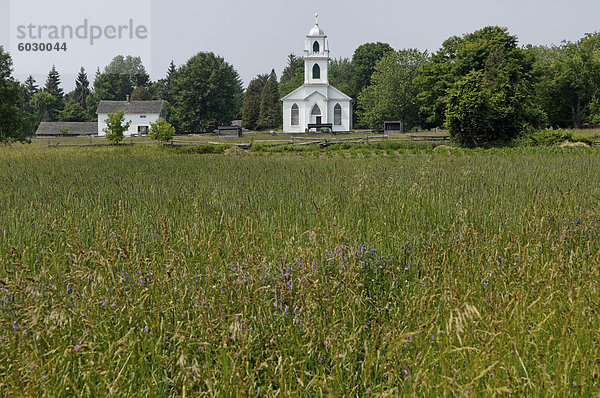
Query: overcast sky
[(257, 35)]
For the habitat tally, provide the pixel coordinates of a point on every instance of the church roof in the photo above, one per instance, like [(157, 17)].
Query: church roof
[(306, 90), (316, 31)]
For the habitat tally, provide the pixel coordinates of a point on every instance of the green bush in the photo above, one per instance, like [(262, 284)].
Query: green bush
[(544, 138), (116, 127), (203, 149), (161, 131)]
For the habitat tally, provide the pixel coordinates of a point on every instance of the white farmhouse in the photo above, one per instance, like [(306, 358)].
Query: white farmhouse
[(316, 104), (139, 113)]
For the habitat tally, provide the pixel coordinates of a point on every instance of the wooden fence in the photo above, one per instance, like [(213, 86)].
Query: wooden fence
[(292, 141)]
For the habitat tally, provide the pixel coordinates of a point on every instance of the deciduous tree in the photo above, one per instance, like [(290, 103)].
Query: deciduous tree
[(120, 77), (115, 127), (364, 60), (206, 93), (392, 94), (340, 75), (161, 131), (12, 125), (570, 83), (482, 84), (140, 94), (41, 103), (72, 112)]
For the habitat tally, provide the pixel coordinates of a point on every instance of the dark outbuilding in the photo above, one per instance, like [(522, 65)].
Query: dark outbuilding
[(67, 129)]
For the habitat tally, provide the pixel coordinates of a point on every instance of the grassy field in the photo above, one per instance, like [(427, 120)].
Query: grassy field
[(140, 271)]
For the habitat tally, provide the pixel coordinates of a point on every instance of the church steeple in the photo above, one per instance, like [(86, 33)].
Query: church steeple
[(316, 56), (316, 104)]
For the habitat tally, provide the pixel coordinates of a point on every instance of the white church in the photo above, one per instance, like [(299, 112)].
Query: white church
[(316, 104)]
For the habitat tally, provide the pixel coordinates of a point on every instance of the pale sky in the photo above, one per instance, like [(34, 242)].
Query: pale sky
[(257, 35)]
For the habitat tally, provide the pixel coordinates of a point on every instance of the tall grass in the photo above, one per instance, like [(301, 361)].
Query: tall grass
[(138, 271)]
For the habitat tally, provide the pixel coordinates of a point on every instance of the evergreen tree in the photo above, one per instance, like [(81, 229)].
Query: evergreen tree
[(161, 89), (293, 64), (53, 84), (53, 88), (141, 78), (292, 76), (270, 108), (252, 100), (168, 84), (171, 71), (82, 87), (31, 87)]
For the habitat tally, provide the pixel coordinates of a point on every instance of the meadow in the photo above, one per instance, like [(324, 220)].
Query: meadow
[(144, 271)]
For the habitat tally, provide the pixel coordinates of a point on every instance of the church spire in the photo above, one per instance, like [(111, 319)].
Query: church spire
[(316, 56)]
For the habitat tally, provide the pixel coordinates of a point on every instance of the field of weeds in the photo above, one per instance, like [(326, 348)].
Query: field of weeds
[(146, 272)]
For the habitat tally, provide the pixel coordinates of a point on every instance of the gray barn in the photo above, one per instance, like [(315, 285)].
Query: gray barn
[(66, 129)]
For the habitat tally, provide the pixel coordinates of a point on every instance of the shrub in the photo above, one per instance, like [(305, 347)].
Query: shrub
[(203, 149), (115, 127), (544, 138), (161, 131)]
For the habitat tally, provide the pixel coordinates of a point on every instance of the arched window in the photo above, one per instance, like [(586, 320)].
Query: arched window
[(316, 72), (316, 47), (295, 115), (337, 115), (316, 111)]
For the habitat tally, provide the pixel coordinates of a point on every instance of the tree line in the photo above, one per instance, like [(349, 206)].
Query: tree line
[(200, 95), (482, 86)]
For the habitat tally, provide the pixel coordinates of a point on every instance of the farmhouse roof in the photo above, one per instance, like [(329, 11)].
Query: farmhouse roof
[(131, 106), (67, 128)]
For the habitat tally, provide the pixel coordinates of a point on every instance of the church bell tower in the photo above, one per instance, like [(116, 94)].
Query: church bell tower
[(316, 56)]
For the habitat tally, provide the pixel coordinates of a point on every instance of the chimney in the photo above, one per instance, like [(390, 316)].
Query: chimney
[(128, 98)]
